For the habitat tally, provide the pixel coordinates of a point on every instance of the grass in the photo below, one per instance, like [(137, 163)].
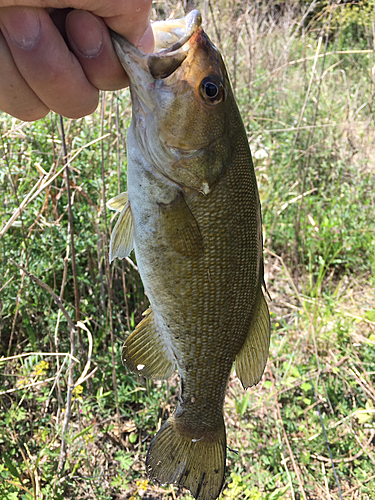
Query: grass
[(306, 96)]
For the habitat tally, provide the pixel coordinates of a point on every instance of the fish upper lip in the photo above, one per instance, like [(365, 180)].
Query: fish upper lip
[(193, 21), (159, 64)]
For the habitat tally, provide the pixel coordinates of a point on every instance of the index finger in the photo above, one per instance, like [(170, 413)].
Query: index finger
[(130, 18)]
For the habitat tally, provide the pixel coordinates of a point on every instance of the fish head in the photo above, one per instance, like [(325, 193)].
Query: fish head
[(181, 99)]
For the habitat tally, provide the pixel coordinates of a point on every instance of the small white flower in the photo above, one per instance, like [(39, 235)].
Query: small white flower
[(260, 154)]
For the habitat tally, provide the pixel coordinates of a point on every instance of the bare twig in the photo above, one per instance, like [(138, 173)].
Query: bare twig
[(71, 230), (30, 196), (68, 408), (291, 454), (347, 460), (7, 283), (312, 58), (27, 386), (18, 301), (55, 297), (42, 184), (84, 374), (325, 437), (351, 490), (72, 329), (63, 281), (27, 354), (214, 23), (107, 268)]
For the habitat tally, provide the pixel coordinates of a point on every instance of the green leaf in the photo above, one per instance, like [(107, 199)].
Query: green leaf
[(133, 438), (84, 431), (277, 494), (125, 460), (241, 406), (290, 381), (306, 386), (363, 416), (305, 457), (370, 315), (295, 372), (12, 469)]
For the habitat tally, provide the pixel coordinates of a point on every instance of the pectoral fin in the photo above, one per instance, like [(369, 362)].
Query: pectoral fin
[(122, 236), (180, 228), (252, 359), (144, 351), (118, 203)]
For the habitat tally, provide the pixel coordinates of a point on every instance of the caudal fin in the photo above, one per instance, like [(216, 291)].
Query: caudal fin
[(194, 463)]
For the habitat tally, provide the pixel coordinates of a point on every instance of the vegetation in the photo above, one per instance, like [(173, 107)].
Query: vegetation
[(304, 81)]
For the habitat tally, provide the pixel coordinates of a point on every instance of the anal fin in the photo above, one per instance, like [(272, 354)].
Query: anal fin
[(145, 353), (252, 359), (122, 235), (180, 228)]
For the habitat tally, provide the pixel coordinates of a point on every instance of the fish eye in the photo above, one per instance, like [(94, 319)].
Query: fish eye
[(211, 89)]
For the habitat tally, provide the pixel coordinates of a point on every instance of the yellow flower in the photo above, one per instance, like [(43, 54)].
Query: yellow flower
[(77, 391), (40, 369), (142, 485), (22, 382)]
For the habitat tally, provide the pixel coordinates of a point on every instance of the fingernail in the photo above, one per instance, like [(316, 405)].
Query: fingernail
[(22, 24), (85, 32), (147, 43)]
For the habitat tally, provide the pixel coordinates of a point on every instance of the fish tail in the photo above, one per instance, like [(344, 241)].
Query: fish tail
[(191, 460)]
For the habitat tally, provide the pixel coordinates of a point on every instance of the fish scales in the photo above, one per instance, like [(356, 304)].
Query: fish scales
[(192, 214)]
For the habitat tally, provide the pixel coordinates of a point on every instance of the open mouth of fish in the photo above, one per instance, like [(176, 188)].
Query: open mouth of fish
[(171, 46)]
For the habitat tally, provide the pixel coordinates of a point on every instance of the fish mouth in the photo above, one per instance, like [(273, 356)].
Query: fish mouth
[(170, 36)]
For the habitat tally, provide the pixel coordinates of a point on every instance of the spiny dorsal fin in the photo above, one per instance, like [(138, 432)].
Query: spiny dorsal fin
[(197, 464), (252, 359), (144, 351), (118, 202), (180, 228), (122, 236)]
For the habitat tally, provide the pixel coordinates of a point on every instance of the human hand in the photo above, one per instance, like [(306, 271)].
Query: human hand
[(56, 58)]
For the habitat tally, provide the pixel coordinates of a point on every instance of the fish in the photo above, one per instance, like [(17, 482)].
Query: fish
[(192, 214)]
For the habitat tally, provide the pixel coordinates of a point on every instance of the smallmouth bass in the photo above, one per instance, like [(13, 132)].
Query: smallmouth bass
[(192, 215)]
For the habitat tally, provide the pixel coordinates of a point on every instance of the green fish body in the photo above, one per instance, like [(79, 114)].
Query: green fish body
[(192, 214)]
